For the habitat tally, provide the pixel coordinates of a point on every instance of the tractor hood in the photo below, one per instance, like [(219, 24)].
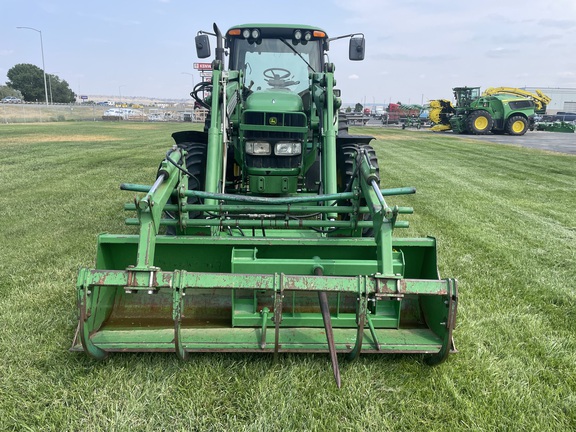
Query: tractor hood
[(274, 101)]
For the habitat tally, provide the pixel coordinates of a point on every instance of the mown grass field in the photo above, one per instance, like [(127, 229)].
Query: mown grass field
[(27, 113), (505, 219)]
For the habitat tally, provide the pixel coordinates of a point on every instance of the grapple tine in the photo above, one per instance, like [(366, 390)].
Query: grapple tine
[(329, 335), (323, 298), (278, 294), (265, 312), (360, 320)]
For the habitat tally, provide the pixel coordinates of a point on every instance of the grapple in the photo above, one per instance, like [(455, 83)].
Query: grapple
[(307, 273)]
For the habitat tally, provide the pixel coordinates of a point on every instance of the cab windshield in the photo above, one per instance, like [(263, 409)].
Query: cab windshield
[(465, 96), (277, 63)]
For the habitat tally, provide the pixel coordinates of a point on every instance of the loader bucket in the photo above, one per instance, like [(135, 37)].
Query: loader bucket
[(223, 295)]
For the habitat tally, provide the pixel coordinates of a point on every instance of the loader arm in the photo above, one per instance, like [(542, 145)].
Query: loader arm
[(215, 150)]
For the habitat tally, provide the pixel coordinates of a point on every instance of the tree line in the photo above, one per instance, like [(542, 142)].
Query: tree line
[(26, 81)]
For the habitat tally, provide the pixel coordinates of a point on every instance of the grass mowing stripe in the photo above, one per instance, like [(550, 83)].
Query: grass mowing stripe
[(505, 221), (535, 254)]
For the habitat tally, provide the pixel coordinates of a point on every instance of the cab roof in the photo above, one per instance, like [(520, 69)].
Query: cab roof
[(275, 29)]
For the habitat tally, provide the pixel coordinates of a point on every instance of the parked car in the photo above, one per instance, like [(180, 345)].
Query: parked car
[(115, 114), (11, 99)]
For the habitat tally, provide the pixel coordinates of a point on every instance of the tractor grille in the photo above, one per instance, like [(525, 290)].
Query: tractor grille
[(274, 127), (273, 161)]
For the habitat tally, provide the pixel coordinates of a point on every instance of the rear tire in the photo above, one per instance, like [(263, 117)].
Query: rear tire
[(479, 122), (517, 125), (345, 165)]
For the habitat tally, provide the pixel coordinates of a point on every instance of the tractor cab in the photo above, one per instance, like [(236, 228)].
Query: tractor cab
[(275, 65), (276, 59), (465, 96)]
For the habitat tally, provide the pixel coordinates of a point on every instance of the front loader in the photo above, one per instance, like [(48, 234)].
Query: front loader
[(270, 230)]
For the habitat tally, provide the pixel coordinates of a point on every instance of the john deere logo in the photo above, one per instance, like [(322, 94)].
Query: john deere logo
[(273, 121)]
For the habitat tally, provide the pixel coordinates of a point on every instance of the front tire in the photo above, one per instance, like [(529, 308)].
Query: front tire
[(346, 156), (479, 122), (517, 125), (196, 166)]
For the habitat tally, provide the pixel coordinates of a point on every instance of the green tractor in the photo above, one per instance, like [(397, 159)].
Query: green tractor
[(268, 231), (480, 114)]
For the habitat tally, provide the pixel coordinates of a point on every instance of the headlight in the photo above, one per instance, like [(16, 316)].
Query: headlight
[(258, 148), (255, 34), (246, 33), (287, 148)]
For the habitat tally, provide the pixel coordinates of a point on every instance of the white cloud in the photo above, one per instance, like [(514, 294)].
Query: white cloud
[(353, 77), (501, 52)]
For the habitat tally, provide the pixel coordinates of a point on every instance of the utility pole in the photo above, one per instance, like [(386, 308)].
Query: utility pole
[(43, 66)]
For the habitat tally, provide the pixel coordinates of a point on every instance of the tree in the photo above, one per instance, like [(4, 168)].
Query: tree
[(59, 90), (6, 91), (29, 80), (358, 107)]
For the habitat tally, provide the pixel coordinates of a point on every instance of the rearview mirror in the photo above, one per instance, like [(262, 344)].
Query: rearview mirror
[(202, 46), (356, 50)]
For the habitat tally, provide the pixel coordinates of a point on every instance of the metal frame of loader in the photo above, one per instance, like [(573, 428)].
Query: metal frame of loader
[(315, 281)]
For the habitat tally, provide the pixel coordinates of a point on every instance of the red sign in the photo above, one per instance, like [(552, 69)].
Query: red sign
[(203, 66)]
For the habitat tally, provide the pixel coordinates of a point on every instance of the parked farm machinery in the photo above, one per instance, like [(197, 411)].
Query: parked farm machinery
[(399, 113), (499, 111), (556, 126), (269, 231)]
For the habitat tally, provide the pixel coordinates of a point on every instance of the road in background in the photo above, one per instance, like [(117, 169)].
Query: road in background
[(549, 141)]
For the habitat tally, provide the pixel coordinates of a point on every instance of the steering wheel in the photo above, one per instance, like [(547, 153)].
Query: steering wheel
[(279, 80), (270, 73)]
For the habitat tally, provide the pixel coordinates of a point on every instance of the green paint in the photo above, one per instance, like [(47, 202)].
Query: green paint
[(249, 243)]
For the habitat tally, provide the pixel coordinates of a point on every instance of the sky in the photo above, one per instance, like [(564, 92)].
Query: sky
[(416, 50)]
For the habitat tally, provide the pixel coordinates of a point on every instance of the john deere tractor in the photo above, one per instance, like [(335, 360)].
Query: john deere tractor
[(269, 231), (480, 114)]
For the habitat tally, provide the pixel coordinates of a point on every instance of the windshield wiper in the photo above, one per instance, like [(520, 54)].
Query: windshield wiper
[(297, 53)]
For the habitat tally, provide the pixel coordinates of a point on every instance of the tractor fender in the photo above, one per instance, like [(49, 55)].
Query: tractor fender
[(190, 136)]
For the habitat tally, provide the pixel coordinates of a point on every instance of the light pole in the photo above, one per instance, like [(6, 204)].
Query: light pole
[(192, 75), (120, 92), (50, 85), (43, 67)]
